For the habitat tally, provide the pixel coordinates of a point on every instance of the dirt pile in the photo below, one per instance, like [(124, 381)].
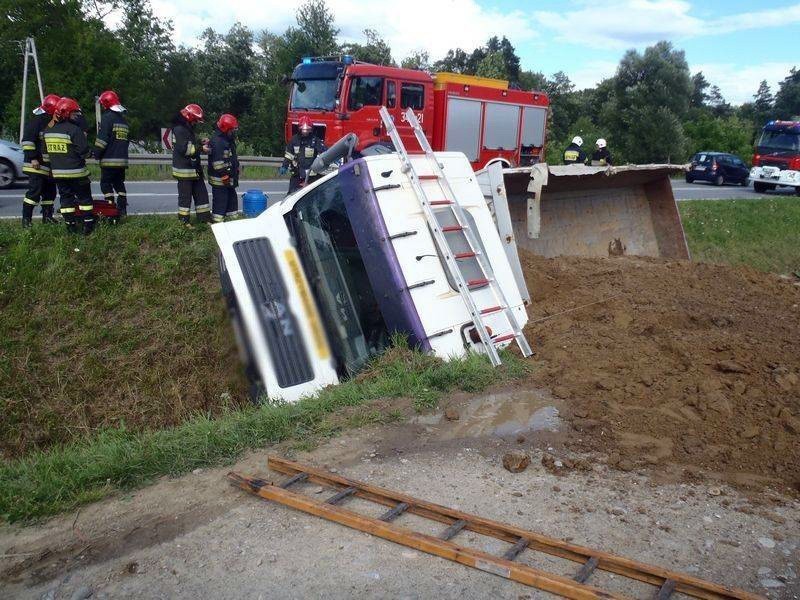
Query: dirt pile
[(682, 366)]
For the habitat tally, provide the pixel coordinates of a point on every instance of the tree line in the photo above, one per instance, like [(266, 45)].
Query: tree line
[(652, 109)]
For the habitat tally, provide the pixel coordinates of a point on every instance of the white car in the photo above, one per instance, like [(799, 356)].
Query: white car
[(11, 160)]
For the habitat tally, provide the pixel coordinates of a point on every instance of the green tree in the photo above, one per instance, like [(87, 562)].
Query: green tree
[(316, 22), (419, 60), (699, 95), (728, 134), (492, 66), (455, 61), (375, 50), (532, 80), (787, 98)]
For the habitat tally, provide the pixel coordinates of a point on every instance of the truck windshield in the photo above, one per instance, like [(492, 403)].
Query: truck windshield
[(314, 94), (339, 282), (779, 141)]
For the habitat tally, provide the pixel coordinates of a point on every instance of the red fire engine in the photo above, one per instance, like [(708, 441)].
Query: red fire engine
[(483, 118)]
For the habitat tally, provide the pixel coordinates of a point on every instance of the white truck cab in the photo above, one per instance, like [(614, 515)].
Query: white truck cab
[(318, 283)]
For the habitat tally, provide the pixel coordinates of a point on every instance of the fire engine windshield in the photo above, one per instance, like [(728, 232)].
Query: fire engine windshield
[(779, 141), (339, 282), (314, 94)]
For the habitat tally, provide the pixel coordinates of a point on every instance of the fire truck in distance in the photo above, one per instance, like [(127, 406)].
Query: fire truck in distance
[(777, 157), (483, 118)]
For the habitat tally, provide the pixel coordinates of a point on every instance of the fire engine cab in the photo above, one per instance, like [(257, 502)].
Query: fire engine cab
[(483, 118), (777, 157)]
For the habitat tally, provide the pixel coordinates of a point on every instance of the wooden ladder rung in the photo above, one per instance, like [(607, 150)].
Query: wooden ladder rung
[(392, 514), (514, 551), (453, 530), (339, 496), (503, 338), (586, 570), (294, 479)]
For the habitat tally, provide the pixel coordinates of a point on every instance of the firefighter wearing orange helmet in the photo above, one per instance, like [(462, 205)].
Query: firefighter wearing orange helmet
[(300, 153), (223, 169), (67, 147), (111, 150), (41, 187), (187, 167)]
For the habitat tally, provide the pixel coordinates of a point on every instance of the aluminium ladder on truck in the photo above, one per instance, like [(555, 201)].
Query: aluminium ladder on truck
[(446, 200)]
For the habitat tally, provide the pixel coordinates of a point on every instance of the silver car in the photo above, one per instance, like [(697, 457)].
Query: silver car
[(11, 159)]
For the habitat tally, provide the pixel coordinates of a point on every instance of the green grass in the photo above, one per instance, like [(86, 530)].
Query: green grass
[(164, 173), (126, 327), (45, 483), (764, 234)]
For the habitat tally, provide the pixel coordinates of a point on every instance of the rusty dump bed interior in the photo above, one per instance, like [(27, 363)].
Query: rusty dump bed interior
[(595, 211)]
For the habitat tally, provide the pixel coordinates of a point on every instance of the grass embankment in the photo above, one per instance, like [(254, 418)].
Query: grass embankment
[(164, 173), (764, 233), (118, 365), (45, 483), (124, 327)]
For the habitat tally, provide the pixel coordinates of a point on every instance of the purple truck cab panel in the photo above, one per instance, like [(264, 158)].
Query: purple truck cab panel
[(380, 260)]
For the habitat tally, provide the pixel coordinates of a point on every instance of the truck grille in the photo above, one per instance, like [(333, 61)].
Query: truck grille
[(284, 337)]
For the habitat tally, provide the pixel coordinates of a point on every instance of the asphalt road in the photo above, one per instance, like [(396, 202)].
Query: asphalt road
[(161, 196)]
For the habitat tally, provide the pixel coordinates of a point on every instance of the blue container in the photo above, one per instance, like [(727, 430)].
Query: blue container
[(254, 202)]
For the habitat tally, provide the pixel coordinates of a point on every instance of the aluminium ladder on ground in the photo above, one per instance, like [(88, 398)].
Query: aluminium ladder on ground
[(661, 583), (446, 200)]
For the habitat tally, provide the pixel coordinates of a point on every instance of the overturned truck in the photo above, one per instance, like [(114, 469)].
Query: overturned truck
[(416, 244)]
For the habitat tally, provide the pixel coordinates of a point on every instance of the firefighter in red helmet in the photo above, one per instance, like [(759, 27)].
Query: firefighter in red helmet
[(68, 149), (187, 167), (223, 169), (111, 150), (300, 153), (41, 187)]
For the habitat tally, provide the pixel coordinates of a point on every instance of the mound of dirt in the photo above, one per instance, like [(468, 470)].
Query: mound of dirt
[(682, 366)]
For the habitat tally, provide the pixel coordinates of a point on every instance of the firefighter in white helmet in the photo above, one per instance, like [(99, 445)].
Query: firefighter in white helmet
[(573, 153), (601, 156)]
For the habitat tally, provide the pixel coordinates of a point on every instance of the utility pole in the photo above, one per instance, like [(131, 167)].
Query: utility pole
[(29, 51)]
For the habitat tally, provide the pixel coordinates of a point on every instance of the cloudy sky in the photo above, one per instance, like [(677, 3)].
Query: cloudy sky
[(736, 43)]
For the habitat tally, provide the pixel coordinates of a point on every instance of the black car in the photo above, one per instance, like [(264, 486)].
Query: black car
[(718, 168)]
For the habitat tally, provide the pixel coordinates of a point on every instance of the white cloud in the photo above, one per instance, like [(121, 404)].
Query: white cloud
[(435, 26), (592, 73), (739, 83), (626, 23)]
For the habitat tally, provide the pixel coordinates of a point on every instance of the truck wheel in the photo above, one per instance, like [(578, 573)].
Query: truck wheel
[(719, 180), (760, 187), (797, 191), (689, 178)]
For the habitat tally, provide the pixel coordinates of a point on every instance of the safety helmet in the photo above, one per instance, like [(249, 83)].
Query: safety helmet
[(192, 113), (49, 103), (65, 108), (601, 143), (227, 123), (577, 140), (304, 125), (109, 100)]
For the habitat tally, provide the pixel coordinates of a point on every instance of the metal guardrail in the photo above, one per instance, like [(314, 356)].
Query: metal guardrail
[(166, 159)]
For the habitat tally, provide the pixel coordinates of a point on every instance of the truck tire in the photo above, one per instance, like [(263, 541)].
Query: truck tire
[(760, 187), (719, 180), (797, 191)]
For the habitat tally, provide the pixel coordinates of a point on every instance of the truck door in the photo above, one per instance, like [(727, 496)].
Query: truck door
[(364, 99), (413, 95)]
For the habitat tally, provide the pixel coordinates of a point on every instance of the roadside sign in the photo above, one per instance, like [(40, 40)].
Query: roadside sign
[(166, 138)]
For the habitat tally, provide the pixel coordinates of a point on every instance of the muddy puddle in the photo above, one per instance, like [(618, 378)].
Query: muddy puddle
[(501, 414)]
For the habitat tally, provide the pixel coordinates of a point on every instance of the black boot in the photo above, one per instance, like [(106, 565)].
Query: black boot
[(204, 217), (122, 206), (26, 223), (88, 225), (47, 215), (71, 222)]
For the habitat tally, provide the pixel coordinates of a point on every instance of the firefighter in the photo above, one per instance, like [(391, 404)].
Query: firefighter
[(300, 152), (573, 154), (111, 150), (601, 156), (68, 148), (223, 169), (41, 187), (186, 165)]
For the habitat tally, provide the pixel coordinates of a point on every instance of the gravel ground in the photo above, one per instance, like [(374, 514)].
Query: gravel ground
[(195, 536)]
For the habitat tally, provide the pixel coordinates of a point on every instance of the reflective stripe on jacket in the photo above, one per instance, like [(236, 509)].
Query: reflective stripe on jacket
[(111, 146), (67, 148)]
